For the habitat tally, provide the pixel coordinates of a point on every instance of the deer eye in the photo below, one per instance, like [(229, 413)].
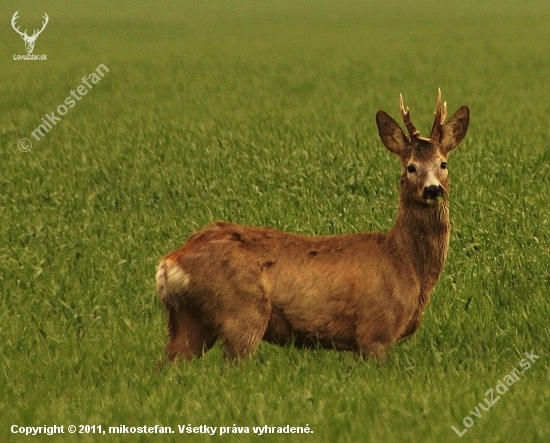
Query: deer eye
[(411, 169), (443, 165)]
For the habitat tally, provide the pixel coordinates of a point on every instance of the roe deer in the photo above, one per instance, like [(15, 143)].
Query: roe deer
[(358, 292)]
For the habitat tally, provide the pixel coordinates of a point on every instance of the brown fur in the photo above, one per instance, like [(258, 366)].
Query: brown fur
[(358, 292)]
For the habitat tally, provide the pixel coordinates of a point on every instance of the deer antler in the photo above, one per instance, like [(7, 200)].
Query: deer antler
[(406, 113), (35, 34), (13, 20), (440, 116), (44, 23)]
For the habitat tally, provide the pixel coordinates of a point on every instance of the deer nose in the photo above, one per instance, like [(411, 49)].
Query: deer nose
[(432, 191)]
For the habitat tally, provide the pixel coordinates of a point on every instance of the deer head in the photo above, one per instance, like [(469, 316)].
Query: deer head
[(424, 160), (29, 41)]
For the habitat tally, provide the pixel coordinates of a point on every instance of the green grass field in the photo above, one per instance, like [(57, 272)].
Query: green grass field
[(262, 113)]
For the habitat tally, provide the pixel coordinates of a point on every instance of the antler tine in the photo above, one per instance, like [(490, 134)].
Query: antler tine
[(44, 23), (14, 18), (406, 113), (443, 111), (440, 116), (13, 24)]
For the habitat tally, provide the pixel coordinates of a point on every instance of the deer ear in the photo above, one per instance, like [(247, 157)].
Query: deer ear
[(455, 129), (391, 134)]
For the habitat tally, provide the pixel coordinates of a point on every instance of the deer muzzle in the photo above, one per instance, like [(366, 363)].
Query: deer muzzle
[(432, 192)]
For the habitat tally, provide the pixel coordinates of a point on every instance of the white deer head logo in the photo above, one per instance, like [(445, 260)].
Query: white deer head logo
[(29, 41)]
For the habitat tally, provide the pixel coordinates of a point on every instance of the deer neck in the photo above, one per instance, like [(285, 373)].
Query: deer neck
[(421, 238)]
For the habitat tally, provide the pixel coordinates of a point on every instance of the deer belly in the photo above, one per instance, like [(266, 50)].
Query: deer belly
[(325, 330)]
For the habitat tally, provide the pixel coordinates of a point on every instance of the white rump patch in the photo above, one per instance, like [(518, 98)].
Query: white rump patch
[(171, 279)]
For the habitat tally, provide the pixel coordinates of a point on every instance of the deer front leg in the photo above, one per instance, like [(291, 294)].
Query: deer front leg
[(413, 324), (375, 334)]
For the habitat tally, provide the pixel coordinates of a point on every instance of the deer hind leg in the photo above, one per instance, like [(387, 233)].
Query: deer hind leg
[(241, 336), (242, 331), (189, 335)]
